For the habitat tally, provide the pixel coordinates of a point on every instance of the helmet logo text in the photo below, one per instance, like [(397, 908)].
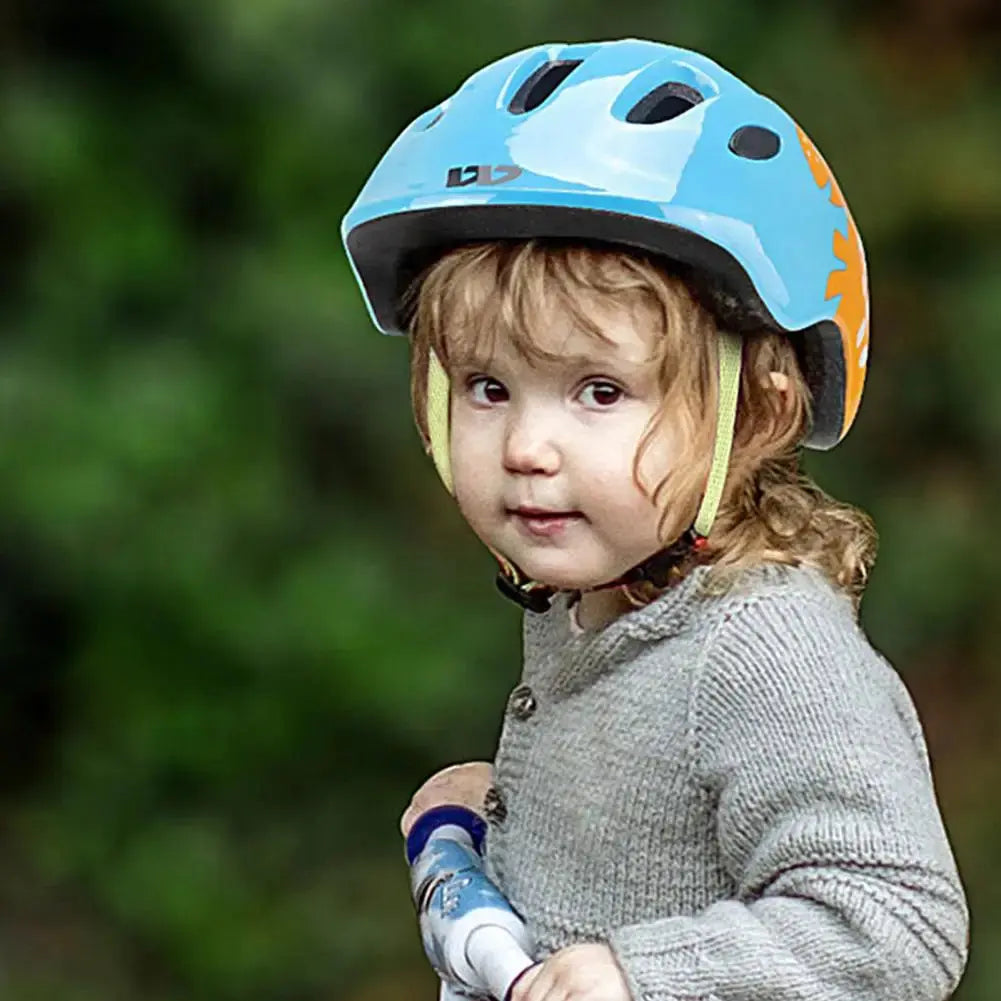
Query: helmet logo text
[(459, 177)]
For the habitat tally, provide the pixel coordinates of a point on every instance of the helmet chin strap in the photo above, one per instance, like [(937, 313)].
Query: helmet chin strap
[(662, 567)]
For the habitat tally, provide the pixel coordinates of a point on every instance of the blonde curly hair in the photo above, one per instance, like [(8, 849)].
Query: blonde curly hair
[(770, 510)]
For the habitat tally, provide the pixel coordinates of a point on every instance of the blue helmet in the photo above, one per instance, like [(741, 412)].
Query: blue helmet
[(643, 145)]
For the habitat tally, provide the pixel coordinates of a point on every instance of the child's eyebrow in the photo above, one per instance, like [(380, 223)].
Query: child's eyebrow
[(584, 358), (601, 356)]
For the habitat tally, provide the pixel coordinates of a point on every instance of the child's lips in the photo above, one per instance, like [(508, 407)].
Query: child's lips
[(542, 523)]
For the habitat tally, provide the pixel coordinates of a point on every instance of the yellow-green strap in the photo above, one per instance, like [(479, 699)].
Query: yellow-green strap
[(729, 389), (438, 391)]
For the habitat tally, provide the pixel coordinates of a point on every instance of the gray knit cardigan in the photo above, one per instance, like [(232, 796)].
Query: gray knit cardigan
[(733, 791)]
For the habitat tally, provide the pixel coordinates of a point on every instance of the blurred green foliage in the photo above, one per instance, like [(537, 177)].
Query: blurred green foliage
[(241, 619)]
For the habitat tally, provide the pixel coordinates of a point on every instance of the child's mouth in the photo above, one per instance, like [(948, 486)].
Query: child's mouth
[(544, 523)]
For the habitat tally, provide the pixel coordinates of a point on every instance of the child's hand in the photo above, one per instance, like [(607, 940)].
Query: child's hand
[(586, 972), (460, 785)]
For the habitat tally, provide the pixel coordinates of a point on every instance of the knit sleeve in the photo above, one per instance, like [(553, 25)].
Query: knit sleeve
[(826, 824)]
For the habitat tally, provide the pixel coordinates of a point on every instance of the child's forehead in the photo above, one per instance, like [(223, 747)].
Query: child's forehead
[(559, 338)]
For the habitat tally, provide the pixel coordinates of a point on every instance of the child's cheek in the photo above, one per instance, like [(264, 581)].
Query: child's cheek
[(656, 459), (473, 482)]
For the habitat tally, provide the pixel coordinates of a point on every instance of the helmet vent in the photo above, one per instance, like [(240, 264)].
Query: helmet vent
[(755, 143), (541, 84), (664, 103)]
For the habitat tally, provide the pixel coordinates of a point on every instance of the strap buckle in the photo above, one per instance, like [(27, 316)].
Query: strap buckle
[(536, 599)]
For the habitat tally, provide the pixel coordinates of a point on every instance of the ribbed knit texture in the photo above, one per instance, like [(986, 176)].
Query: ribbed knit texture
[(734, 793)]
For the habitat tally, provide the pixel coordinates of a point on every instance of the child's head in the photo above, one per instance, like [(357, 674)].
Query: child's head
[(664, 154), (584, 380)]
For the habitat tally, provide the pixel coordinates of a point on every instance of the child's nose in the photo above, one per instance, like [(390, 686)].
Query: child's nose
[(530, 448)]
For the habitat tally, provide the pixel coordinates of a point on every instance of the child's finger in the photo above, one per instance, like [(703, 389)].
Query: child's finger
[(544, 986), (462, 785), (407, 819), (519, 989)]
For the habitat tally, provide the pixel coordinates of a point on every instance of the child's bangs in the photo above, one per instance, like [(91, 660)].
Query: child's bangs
[(516, 291)]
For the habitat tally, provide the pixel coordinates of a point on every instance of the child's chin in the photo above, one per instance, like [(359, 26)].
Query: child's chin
[(563, 580)]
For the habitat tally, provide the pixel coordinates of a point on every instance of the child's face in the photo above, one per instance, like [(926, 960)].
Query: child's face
[(561, 436)]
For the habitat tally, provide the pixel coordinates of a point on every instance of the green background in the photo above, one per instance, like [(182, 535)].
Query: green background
[(241, 619)]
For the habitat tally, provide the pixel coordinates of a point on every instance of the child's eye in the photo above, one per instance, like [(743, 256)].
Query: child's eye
[(493, 391), (603, 394)]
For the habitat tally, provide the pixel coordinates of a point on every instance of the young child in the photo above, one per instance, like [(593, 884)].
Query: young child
[(633, 291)]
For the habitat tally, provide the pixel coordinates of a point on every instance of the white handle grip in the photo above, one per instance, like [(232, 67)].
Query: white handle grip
[(497, 957), (447, 994)]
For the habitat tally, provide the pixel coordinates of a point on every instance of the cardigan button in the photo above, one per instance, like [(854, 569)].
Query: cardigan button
[(523, 703), (494, 806)]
